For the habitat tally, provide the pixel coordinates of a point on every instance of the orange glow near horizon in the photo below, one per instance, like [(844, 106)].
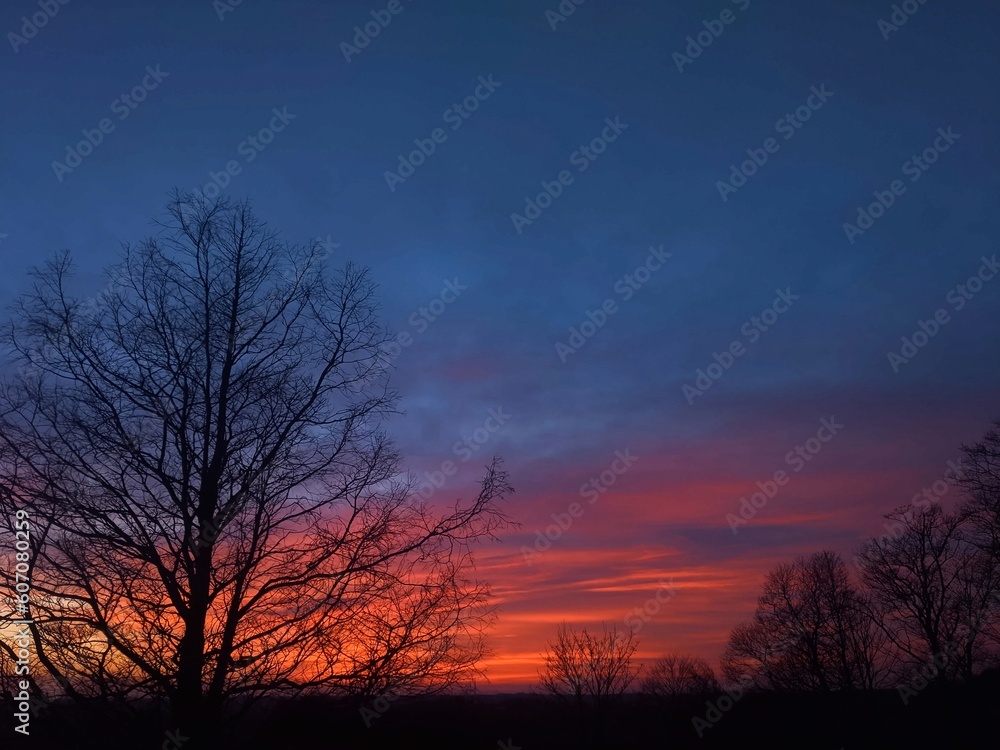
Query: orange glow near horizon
[(657, 555), (650, 534)]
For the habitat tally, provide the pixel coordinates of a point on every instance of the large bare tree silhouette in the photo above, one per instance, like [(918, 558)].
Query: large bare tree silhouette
[(218, 514)]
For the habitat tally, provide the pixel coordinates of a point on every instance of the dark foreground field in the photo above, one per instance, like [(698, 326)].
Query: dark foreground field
[(959, 718)]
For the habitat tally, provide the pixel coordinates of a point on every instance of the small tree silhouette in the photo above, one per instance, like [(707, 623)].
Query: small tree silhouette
[(980, 479), (675, 675), (590, 670)]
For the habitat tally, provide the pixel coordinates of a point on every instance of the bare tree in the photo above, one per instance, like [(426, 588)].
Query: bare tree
[(590, 670), (935, 589), (758, 656), (218, 514), (675, 675), (980, 478), (812, 631)]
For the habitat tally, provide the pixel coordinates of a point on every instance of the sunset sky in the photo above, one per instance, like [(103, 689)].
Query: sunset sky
[(763, 274)]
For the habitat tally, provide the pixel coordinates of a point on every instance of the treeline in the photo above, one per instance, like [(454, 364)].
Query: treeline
[(921, 607)]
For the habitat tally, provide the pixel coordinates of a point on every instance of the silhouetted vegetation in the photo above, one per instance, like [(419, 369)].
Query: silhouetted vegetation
[(224, 547), (216, 514)]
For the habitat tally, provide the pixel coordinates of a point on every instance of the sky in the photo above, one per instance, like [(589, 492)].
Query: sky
[(657, 256)]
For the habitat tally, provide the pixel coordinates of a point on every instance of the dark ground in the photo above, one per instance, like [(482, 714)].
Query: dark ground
[(962, 717)]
